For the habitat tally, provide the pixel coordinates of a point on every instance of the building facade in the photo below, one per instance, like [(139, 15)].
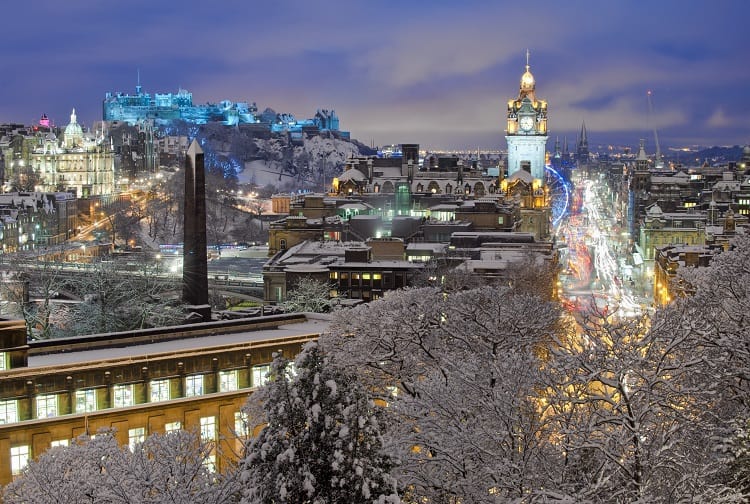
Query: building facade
[(80, 163), (52, 391)]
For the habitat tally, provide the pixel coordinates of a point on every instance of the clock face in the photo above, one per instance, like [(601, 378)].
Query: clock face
[(526, 123)]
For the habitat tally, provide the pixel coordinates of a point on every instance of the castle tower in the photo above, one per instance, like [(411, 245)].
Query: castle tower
[(526, 132)]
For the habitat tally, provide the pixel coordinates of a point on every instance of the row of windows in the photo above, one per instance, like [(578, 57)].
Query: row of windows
[(123, 395), (20, 455)]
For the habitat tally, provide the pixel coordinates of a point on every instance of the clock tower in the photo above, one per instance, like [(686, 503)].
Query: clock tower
[(526, 132)]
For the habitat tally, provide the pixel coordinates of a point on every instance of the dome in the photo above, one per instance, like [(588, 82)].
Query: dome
[(527, 80), (352, 174), (73, 132)]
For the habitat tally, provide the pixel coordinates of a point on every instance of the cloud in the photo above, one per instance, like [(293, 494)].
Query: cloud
[(719, 119)]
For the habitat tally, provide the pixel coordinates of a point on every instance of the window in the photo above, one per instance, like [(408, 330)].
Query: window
[(282, 244), (208, 428), (85, 400), (172, 426), (60, 442), (210, 463), (193, 385), (123, 395), (291, 368), (19, 458), (3, 361), (260, 375), (135, 437), (46, 406), (159, 390), (240, 424), (8, 411), (227, 380)]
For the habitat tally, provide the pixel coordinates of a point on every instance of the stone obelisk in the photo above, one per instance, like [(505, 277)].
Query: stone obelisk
[(194, 258)]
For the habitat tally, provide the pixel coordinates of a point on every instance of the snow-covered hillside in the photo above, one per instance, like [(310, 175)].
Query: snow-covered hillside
[(292, 166)]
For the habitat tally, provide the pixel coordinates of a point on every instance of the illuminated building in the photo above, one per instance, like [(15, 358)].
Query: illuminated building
[(355, 270), (404, 178), (80, 163), (526, 131), (147, 381)]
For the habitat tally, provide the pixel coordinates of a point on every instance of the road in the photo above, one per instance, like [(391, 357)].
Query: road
[(597, 269)]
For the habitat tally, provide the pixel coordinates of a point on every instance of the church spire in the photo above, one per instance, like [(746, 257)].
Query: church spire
[(582, 149), (584, 139)]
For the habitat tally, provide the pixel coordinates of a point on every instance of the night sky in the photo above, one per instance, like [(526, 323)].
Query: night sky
[(435, 72)]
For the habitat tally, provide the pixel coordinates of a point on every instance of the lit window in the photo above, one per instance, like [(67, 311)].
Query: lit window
[(159, 390), (291, 368), (3, 361), (46, 406), (240, 423), (208, 428), (172, 426), (227, 380), (193, 385), (60, 442), (210, 463), (19, 458), (8, 411), (85, 400), (135, 437), (260, 375), (123, 395)]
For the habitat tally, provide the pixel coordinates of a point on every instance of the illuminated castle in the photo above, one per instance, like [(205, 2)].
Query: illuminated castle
[(165, 108)]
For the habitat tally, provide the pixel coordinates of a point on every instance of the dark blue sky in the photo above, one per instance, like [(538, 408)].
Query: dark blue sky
[(434, 72)]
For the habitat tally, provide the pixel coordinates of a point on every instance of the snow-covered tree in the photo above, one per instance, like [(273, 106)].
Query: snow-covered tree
[(116, 300), (32, 281), (171, 467), (717, 309), (631, 408), (320, 441), (459, 371), (308, 295)]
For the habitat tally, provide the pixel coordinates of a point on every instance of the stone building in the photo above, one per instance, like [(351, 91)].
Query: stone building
[(80, 163), (139, 383)]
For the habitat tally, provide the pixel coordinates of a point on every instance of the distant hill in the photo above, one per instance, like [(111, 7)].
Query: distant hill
[(719, 155)]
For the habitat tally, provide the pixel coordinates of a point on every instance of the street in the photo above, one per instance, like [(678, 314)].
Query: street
[(598, 269)]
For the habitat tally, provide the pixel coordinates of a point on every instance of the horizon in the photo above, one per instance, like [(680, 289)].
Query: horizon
[(437, 74)]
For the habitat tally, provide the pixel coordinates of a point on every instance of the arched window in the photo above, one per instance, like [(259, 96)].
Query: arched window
[(433, 187), (479, 189), (448, 189)]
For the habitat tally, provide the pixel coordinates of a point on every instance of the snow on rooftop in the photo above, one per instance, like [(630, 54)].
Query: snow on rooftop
[(315, 324)]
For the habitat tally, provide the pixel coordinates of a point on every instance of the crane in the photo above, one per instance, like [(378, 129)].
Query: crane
[(659, 162)]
